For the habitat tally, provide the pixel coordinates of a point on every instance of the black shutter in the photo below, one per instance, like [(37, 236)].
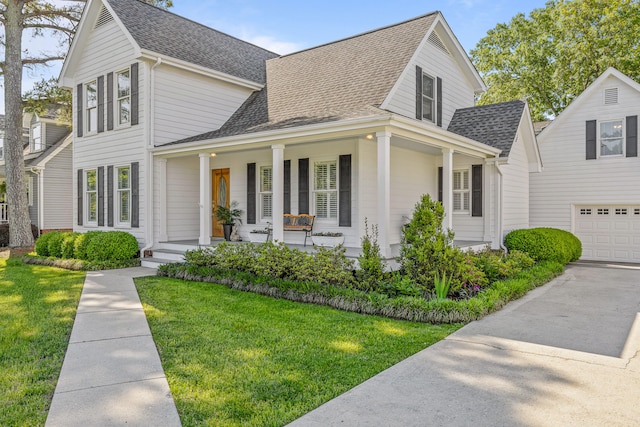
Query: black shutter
[(344, 191), (303, 186), (439, 102), (591, 139), (101, 196), (110, 101), (134, 94), (287, 186), (440, 184), (100, 104), (418, 93), (251, 193), (476, 190), (110, 196), (135, 194), (79, 112), (80, 196), (632, 136)]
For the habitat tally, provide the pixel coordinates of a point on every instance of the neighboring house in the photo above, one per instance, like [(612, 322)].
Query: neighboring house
[(591, 170), (48, 172), (172, 117)]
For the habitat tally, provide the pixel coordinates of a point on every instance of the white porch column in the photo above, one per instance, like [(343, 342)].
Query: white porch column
[(162, 200), (205, 199), (487, 198), (447, 187), (277, 207), (384, 192)]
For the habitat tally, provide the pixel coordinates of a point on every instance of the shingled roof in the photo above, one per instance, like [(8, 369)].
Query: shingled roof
[(166, 33), (495, 125)]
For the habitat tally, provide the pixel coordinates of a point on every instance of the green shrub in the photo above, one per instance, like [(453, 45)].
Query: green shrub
[(112, 246), (81, 243), (55, 244), (68, 245), (370, 262), (545, 244), (42, 244)]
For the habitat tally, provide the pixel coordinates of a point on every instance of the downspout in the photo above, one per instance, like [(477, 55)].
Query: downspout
[(37, 170), (150, 133), (500, 204)]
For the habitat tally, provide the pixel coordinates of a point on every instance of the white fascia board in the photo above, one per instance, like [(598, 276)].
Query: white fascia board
[(184, 65)]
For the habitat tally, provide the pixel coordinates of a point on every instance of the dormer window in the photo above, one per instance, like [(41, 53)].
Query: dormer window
[(91, 113), (123, 96), (37, 138)]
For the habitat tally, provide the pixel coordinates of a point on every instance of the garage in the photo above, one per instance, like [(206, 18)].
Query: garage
[(609, 233)]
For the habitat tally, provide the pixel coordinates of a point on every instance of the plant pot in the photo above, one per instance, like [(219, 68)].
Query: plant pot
[(258, 237), (227, 228), (328, 241)]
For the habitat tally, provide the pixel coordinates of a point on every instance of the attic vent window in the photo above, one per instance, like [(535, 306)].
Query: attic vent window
[(437, 42), (611, 96), (104, 18)]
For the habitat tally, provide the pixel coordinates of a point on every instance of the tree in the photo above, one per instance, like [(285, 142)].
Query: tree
[(42, 17), (551, 56)]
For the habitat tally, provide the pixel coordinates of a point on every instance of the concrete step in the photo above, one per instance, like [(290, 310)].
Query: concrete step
[(169, 254), (154, 262)]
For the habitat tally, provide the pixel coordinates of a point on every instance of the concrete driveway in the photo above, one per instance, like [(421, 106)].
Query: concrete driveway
[(567, 354)]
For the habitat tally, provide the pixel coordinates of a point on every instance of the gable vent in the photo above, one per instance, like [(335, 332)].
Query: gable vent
[(435, 40), (611, 96), (104, 18)]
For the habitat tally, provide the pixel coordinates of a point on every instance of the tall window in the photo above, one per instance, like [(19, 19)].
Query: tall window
[(91, 196), (124, 195), (325, 189), (92, 107), (611, 138), (461, 193), (266, 192), (36, 138), (123, 95), (428, 98)]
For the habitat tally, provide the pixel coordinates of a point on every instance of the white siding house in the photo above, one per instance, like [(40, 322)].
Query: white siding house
[(591, 169)]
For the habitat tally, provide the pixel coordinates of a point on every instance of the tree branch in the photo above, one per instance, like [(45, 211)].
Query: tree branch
[(36, 61)]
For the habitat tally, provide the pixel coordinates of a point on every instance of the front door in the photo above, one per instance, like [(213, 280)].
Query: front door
[(220, 196)]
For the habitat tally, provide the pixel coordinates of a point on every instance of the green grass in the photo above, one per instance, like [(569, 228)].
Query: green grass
[(235, 358), (37, 309)]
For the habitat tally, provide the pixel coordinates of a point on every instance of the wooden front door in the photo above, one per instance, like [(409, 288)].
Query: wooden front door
[(220, 189)]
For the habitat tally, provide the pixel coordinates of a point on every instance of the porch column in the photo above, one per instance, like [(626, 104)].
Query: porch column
[(447, 187), (277, 207), (384, 192), (205, 199), (488, 196), (162, 200)]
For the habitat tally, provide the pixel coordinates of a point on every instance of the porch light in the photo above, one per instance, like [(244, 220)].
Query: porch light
[(369, 136), (213, 154)]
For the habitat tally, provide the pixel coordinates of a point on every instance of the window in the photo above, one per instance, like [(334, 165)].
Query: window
[(585, 211), (325, 189), (611, 138), (621, 211), (37, 138), (428, 98), (603, 211), (92, 107), (461, 193), (124, 195), (91, 196), (266, 192), (123, 97)]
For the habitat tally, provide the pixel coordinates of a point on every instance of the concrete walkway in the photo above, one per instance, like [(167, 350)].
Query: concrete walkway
[(567, 354), (111, 375)]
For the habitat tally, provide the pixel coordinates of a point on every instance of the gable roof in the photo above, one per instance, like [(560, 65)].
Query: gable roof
[(495, 125)]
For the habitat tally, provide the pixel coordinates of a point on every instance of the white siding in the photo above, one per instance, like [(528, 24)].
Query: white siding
[(58, 191), (457, 91), (187, 104), (568, 178), (183, 198), (516, 182), (367, 178)]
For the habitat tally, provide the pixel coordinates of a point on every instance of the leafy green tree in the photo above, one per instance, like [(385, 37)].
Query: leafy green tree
[(552, 55)]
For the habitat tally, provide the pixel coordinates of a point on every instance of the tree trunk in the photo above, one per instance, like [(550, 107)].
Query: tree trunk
[(19, 222)]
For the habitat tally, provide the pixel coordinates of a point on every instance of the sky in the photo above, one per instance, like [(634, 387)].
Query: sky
[(288, 26)]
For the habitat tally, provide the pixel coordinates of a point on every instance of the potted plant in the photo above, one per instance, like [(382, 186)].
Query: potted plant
[(228, 216), (328, 239), (259, 235)]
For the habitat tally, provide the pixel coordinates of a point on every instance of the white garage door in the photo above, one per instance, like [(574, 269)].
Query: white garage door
[(609, 233)]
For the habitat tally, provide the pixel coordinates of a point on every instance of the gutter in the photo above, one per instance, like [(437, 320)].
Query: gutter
[(497, 163), (37, 170)]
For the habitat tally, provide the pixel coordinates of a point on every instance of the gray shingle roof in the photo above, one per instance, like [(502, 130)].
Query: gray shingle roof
[(495, 125), (163, 32)]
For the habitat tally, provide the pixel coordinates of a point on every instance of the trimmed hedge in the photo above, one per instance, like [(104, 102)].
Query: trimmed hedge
[(545, 244), (113, 246), (4, 234), (93, 246)]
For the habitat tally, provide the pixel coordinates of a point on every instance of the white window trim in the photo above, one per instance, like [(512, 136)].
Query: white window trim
[(87, 111), (433, 98), (264, 219), (312, 187), (43, 143), (623, 137), (117, 99), (87, 205), (118, 222), (462, 191)]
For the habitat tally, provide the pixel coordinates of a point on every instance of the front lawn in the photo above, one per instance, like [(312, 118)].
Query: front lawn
[(236, 358), (37, 310)]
